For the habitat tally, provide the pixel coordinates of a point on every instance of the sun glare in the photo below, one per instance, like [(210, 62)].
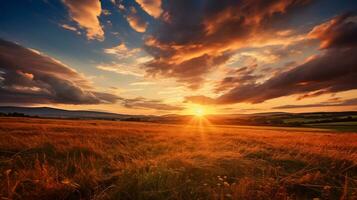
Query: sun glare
[(198, 110)]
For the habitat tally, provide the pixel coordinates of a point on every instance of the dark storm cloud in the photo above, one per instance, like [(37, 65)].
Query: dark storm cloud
[(335, 70), (349, 102), (28, 76), (144, 103), (193, 32)]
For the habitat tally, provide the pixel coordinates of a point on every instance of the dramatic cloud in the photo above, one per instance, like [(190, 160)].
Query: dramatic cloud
[(152, 7), (349, 102), (144, 103), (135, 21), (211, 30), (335, 70), (240, 76), (30, 77), (338, 32), (86, 13), (189, 71)]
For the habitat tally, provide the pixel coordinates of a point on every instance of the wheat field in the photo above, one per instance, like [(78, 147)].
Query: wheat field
[(92, 159)]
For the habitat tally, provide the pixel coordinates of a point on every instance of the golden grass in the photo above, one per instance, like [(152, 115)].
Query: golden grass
[(64, 159)]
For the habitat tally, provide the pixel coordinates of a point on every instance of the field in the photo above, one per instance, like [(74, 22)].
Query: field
[(78, 159)]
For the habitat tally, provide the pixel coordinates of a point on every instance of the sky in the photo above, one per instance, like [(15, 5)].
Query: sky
[(172, 56)]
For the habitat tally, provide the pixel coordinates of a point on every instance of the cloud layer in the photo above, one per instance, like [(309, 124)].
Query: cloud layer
[(143, 103), (334, 70), (152, 7), (195, 38), (86, 13), (135, 21), (30, 77), (348, 102)]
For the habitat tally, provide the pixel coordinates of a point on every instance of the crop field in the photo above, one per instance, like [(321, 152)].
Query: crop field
[(92, 159)]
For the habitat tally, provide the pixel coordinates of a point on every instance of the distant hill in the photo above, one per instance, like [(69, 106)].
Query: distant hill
[(333, 120), (60, 113)]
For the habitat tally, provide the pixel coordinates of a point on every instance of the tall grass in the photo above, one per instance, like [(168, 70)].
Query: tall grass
[(64, 159)]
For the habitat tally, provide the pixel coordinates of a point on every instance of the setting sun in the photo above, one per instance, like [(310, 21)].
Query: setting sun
[(199, 112)]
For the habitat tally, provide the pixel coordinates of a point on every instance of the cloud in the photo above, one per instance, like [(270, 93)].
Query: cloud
[(349, 102), (188, 71), (30, 77), (334, 70), (338, 32), (120, 69), (152, 7), (236, 77), (68, 27), (143, 83), (86, 13), (203, 100), (121, 51), (144, 103), (212, 30), (136, 22)]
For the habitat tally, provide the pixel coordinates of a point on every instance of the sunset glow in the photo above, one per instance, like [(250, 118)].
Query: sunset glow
[(161, 57), (178, 99), (199, 111)]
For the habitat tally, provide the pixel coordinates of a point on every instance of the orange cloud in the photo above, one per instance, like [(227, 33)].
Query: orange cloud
[(144, 103), (336, 32), (136, 22), (152, 7), (334, 70), (213, 32), (86, 13), (122, 51)]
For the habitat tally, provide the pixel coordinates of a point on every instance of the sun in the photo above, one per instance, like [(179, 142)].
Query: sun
[(199, 112)]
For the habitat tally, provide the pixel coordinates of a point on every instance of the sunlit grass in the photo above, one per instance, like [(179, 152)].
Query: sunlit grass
[(63, 159)]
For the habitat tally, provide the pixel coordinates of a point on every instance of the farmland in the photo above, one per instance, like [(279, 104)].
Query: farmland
[(94, 159)]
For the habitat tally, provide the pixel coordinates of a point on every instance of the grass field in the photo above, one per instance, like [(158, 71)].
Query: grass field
[(64, 159), (338, 126)]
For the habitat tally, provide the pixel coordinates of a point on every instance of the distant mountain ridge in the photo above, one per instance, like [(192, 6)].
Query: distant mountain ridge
[(61, 113)]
